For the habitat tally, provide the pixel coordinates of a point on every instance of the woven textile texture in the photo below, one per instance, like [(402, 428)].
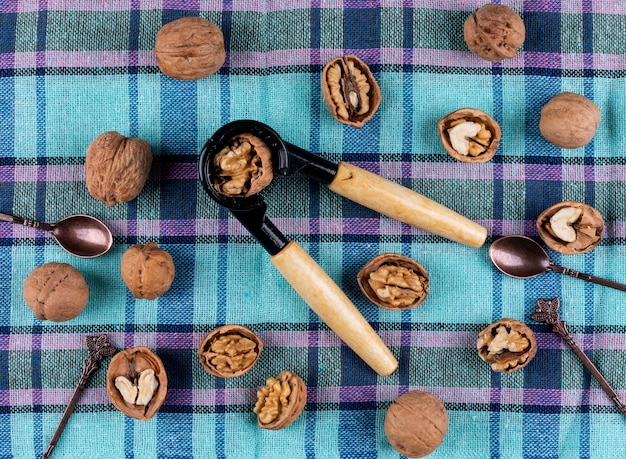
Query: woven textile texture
[(71, 70)]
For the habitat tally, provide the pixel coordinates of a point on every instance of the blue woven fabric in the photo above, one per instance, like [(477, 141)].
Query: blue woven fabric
[(71, 70)]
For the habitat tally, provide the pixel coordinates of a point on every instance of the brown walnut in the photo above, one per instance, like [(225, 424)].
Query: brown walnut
[(350, 90), (56, 292), (280, 401), (569, 120), (494, 32), (469, 135), (394, 281), (189, 48), (507, 345), (137, 383), (147, 270), (416, 423), (243, 167), (229, 351), (117, 167), (570, 227)]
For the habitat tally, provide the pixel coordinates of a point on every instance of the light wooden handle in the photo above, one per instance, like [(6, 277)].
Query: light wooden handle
[(329, 302), (405, 205)]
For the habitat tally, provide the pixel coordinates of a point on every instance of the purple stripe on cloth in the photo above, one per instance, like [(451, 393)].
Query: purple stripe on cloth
[(304, 57)]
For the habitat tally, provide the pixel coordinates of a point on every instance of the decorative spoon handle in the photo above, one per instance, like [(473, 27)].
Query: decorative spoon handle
[(99, 348), (587, 277), (548, 311), (25, 222)]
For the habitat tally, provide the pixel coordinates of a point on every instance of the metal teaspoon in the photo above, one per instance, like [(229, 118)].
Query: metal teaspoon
[(521, 257), (80, 235)]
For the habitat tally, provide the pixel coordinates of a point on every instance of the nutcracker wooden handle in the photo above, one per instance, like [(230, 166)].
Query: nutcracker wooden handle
[(405, 205), (329, 302)]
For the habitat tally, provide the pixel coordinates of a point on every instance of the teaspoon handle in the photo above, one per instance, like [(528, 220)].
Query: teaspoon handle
[(25, 222), (594, 371), (588, 277)]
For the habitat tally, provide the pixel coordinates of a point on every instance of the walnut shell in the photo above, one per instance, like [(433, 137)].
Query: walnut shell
[(588, 228), (281, 411), (56, 292), (350, 90), (229, 351), (494, 32), (569, 120), (489, 145), (416, 423), (407, 289), (508, 345), (243, 167), (189, 48), (147, 270), (130, 363), (117, 167)]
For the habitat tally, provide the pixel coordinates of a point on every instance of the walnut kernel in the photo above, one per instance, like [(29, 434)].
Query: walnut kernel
[(243, 167), (394, 281), (229, 351), (189, 48), (350, 90), (494, 32), (570, 227), (280, 401), (136, 382), (569, 120), (147, 270), (56, 292), (469, 135), (416, 423), (507, 345), (117, 167)]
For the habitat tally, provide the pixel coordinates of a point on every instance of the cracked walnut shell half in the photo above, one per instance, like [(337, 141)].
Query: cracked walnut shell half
[(507, 345), (494, 32), (570, 227), (229, 351), (243, 167), (469, 135), (416, 423), (350, 90), (137, 383), (280, 401), (394, 281)]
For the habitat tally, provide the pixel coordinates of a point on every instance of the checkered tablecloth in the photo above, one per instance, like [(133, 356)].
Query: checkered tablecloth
[(71, 70)]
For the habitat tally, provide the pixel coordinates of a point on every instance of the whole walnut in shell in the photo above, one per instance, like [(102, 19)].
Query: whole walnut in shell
[(147, 270), (494, 32), (56, 292), (190, 48), (416, 423), (569, 120), (117, 167)]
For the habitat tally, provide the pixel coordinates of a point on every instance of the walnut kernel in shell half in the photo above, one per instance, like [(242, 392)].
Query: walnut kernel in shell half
[(570, 227), (137, 383), (243, 167), (56, 292), (147, 270), (494, 32), (280, 401), (394, 281), (469, 135), (569, 120), (117, 167), (229, 351), (416, 423), (507, 345), (189, 48), (350, 90)]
